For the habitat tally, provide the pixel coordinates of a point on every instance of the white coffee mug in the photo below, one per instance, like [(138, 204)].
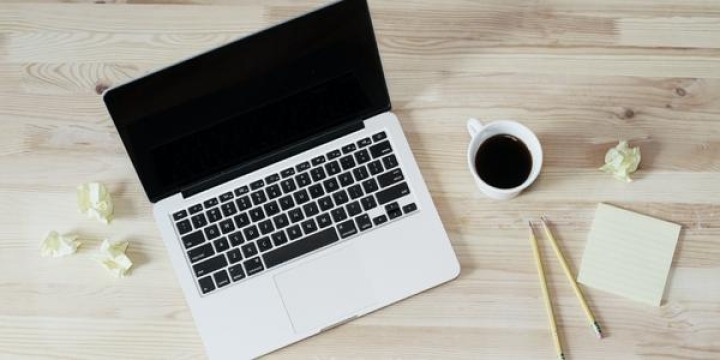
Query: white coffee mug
[(480, 133)]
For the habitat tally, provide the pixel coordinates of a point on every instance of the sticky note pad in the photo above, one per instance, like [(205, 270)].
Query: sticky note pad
[(628, 254)]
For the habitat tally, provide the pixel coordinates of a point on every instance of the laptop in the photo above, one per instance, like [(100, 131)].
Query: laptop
[(282, 184)]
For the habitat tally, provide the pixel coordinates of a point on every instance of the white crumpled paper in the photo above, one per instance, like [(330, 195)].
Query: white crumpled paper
[(56, 245), (621, 161), (94, 201), (112, 257)]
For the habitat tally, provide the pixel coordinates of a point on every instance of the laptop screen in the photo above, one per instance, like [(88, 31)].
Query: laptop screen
[(256, 96)]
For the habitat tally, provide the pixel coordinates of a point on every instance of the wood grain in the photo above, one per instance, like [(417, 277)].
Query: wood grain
[(581, 73)]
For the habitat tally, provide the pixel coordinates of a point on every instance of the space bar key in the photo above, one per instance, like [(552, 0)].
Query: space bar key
[(300, 247)]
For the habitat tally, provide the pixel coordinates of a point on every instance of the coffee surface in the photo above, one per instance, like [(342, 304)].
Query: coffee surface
[(503, 161)]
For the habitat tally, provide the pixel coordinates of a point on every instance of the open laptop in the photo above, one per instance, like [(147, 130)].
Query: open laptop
[(283, 186)]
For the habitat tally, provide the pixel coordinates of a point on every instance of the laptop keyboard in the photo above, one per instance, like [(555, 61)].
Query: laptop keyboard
[(303, 208)]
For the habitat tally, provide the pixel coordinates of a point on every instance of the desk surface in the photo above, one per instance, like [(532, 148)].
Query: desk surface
[(581, 73)]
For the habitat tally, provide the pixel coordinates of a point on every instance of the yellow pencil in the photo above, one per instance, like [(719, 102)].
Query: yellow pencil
[(546, 294), (571, 279)]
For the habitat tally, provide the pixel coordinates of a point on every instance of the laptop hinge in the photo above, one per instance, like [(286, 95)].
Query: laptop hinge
[(273, 157)]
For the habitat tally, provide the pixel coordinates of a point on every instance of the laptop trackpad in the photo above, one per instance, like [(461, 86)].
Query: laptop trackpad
[(326, 291)]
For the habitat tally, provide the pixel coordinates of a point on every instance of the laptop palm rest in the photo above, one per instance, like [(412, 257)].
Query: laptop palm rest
[(326, 291)]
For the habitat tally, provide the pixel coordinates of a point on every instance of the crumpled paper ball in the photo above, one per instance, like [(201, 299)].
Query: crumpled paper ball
[(56, 245), (621, 161), (95, 202), (112, 257)]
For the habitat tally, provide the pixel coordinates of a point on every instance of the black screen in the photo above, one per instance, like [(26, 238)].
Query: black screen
[(256, 96)]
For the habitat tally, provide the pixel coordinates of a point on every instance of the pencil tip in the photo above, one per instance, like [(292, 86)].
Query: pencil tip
[(543, 219), (562, 356), (598, 330)]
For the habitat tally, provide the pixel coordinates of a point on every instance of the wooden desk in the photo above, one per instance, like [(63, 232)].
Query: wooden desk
[(582, 74)]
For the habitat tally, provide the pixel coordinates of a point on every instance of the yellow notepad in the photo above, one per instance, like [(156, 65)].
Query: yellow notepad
[(628, 254)]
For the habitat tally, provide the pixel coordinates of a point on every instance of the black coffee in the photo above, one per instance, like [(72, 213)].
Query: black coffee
[(503, 161)]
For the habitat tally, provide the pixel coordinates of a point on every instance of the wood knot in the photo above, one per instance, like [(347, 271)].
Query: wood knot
[(680, 91), (628, 114), (101, 87)]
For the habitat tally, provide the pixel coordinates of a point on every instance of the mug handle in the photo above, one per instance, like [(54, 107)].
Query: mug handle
[(474, 126)]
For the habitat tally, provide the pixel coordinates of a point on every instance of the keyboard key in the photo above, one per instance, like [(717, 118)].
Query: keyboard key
[(390, 177), (294, 232), (355, 191), (229, 209), (214, 215), (241, 191), (180, 215), (226, 226), (184, 227), (193, 239), (241, 220), (347, 228), (363, 222), (353, 208), (249, 250), (201, 252), (221, 244), (296, 215), (317, 174), (234, 255), (236, 238), (251, 232), (318, 160), (236, 272), (332, 168), (390, 161), (302, 166), (195, 208), (226, 196), (340, 197), (288, 185), (325, 203), (339, 214), (362, 156), (392, 193), (347, 162), (301, 197), (286, 202), (272, 208), (264, 244), (199, 220), (212, 232), (311, 209), (266, 227), (258, 197), (300, 247), (360, 173), (375, 167), (257, 184), (333, 154), (287, 172), (281, 221), (379, 136), (331, 185), (279, 238), (380, 220), (273, 191), (221, 278), (348, 148), (272, 178), (370, 185), (316, 191), (210, 203), (364, 142), (302, 180), (380, 149), (309, 226), (409, 208), (210, 265), (253, 266), (368, 202), (256, 214), (243, 203), (394, 214), (392, 206), (324, 220), (206, 284), (346, 179)]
